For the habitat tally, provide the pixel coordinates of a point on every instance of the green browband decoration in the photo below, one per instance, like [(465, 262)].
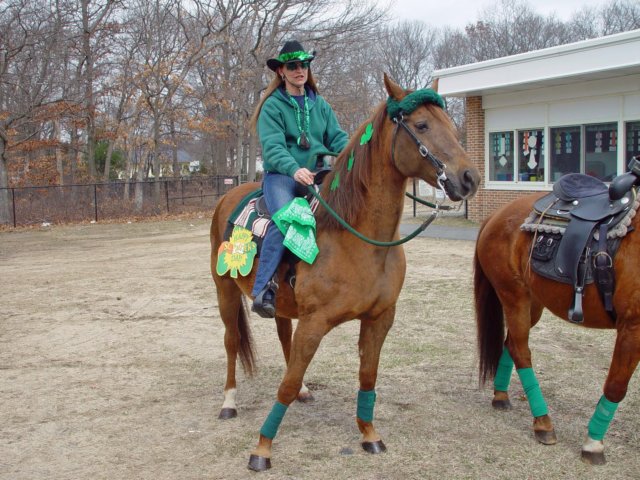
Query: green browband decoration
[(412, 101), (300, 55)]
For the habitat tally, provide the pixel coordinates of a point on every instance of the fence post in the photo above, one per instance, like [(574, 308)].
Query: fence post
[(166, 193), (95, 200), (13, 204)]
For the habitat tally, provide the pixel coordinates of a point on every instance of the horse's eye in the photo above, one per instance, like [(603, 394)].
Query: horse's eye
[(422, 126)]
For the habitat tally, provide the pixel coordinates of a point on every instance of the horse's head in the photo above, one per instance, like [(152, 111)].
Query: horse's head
[(425, 144)]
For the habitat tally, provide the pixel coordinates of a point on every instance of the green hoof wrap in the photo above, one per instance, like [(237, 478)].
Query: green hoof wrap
[(503, 374), (601, 418), (366, 402), (532, 391), (272, 423)]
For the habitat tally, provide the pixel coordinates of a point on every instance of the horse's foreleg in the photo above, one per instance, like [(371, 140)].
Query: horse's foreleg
[(372, 335), (306, 339), (284, 334), (520, 319), (624, 362)]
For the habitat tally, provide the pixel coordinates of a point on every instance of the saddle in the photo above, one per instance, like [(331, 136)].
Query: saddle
[(252, 213), (579, 215)]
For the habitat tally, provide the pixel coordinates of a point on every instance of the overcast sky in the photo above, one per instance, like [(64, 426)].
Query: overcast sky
[(458, 13)]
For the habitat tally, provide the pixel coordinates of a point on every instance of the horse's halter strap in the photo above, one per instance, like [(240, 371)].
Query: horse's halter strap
[(422, 148)]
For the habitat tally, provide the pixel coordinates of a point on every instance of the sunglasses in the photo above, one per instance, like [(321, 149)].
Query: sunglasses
[(293, 66)]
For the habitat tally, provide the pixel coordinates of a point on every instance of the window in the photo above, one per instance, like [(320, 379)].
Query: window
[(633, 141), (564, 151), (601, 145), (531, 155), (501, 156)]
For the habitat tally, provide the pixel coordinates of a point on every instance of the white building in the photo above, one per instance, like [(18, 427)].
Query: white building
[(535, 116)]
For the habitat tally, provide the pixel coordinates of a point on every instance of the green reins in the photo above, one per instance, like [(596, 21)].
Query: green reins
[(378, 243)]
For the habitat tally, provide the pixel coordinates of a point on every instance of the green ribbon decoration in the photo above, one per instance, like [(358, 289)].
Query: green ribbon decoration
[(412, 101)]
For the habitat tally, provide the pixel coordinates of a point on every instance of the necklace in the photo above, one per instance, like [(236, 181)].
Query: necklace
[(302, 121)]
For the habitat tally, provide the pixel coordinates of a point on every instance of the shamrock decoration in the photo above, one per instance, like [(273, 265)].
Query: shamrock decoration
[(237, 254), (366, 136), (335, 182), (350, 162)]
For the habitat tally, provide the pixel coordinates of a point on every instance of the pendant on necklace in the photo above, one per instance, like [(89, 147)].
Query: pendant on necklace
[(303, 143)]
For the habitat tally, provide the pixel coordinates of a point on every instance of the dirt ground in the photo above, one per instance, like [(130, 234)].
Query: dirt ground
[(112, 367)]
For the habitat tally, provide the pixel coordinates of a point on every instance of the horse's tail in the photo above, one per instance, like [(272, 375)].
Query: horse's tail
[(489, 322), (247, 353), (228, 289)]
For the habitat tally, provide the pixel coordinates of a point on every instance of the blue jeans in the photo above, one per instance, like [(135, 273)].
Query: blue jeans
[(278, 191)]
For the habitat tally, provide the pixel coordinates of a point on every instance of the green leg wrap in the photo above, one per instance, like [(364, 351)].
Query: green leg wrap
[(366, 401), (503, 374), (532, 391), (602, 418), (272, 423)]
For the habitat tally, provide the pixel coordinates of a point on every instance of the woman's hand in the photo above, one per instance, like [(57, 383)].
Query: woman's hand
[(304, 176)]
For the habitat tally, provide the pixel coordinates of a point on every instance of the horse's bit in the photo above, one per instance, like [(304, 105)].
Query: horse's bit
[(422, 148)]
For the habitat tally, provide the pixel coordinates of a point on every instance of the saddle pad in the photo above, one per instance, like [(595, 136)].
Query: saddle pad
[(247, 215), (251, 218)]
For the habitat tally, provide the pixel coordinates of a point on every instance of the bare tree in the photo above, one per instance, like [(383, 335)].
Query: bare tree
[(26, 83)]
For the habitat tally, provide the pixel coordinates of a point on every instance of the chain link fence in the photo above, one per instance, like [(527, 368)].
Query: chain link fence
[(100, 201)]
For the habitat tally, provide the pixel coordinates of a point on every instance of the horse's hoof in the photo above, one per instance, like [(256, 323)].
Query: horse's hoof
[(546, 437), (501, 404), (374, 447), (227, 413), (259, 464), (593, 458), (306, 398)]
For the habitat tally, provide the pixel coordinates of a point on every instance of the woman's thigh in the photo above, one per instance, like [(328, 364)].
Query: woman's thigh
[(278, 191)]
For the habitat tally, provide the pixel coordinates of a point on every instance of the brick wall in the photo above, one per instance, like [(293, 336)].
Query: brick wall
[(485, 201)]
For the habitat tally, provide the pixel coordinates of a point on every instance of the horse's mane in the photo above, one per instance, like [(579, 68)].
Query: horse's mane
[(348, 197)]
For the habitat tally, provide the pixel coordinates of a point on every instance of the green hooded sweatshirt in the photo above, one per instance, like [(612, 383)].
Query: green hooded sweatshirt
[(278, 132)]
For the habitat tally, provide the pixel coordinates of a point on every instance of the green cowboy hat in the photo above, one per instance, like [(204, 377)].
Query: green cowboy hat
[(292, 51)]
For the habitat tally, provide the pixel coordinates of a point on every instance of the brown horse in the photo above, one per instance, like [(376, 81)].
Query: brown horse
[(350, 279), (508, 291)]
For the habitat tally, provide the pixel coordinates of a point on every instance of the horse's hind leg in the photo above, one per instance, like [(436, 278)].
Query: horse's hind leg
[(237, 340), (502, 378), (520, 317), (285, 331), (372, 335), (626, 355)]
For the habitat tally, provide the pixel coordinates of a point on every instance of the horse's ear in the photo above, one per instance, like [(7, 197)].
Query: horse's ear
[(393, 89), (434, 85)]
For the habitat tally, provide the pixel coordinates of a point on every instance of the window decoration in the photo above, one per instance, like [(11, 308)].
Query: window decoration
[(565, 156), (531, 155), (501, 164), (632, 133)]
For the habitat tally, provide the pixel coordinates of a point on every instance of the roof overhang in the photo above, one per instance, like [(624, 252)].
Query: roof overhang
[(601, 58)]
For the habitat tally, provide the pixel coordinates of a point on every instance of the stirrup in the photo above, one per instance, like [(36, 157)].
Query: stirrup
[(265, 307)]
